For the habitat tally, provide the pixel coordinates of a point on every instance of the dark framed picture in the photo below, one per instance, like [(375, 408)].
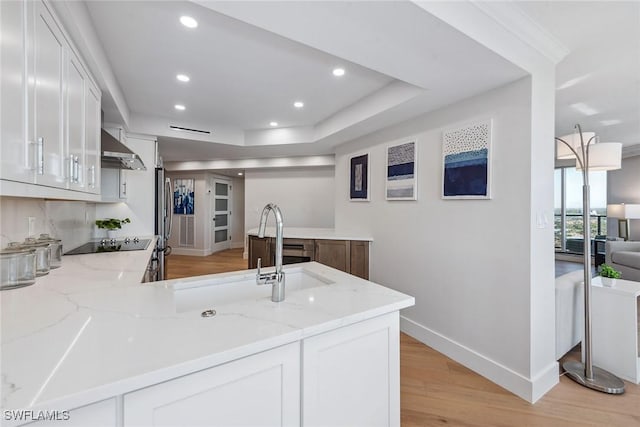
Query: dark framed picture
[(359, 181)]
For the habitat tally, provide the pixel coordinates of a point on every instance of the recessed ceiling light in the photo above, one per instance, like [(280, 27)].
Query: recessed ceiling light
[(585, 109), (183, 77), (610, 122), (338, 72), (298, 104), (240, 174), (273, 124), (188, 21), (180, 107)]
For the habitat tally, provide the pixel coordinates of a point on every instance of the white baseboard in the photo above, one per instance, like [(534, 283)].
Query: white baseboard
[(190, 251), (528, 389)]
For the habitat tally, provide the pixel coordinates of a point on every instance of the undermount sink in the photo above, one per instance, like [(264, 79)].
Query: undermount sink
[(199, 293)]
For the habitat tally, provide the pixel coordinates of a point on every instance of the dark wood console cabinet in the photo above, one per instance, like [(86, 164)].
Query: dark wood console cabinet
[(350, 256)]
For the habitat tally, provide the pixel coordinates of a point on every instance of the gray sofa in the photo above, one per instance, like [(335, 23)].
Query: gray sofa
[(624, 257)]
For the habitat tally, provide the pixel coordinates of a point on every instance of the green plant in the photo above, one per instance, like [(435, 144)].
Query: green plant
[(112, 223), (608, 271)]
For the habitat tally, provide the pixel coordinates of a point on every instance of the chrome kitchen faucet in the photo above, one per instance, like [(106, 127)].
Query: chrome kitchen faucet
[(275, 278)]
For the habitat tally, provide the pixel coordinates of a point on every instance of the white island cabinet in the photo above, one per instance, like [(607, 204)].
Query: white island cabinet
[(143, 354), (263, 389), (351, 376)]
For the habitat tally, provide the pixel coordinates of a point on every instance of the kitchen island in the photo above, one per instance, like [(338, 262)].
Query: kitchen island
[(112, 351)]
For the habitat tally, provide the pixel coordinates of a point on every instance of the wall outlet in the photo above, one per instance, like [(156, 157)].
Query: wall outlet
[(31, 226)]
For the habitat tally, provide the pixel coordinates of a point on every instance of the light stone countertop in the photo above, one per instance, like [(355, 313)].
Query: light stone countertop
[(90, 330), (311, 233)]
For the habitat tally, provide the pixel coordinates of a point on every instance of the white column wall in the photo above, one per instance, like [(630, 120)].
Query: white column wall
[(467, 262)]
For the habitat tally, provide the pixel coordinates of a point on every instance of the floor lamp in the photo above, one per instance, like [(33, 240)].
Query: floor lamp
[(590, 156)]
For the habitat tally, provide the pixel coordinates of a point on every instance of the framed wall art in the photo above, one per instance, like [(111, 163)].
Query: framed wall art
[(401, 172), (183, 196), (466, 161), (359, 178)]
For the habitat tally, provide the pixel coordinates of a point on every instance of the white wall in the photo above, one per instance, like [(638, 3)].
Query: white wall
[(623, 186), (305, 196), (467, 262), (141, 187), (72, 222)]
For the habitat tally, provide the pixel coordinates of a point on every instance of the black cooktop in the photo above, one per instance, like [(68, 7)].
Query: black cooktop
[(111, 245)]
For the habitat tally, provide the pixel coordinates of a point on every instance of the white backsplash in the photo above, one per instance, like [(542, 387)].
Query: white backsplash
[(73, 222)]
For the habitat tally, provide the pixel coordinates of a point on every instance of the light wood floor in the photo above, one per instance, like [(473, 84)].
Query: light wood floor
[(185, 266), (436, 390)]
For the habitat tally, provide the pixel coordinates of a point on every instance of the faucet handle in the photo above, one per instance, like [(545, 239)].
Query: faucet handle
[(259, 265)]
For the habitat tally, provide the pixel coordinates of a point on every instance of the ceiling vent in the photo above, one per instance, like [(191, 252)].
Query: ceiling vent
[(180, 128)]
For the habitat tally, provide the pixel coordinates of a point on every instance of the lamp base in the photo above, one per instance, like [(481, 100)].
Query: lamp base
[(602, 381)]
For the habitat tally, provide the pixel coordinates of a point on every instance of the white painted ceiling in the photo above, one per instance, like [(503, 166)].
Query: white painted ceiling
[(400, 62), (243, 76), (602, 71), (240, 75)]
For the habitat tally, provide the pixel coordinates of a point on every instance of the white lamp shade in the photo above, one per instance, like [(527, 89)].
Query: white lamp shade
[(573, 139), (623, 211), (604, 156)]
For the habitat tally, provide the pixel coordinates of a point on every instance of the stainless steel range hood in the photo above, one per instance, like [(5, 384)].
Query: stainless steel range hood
[(116, 155)]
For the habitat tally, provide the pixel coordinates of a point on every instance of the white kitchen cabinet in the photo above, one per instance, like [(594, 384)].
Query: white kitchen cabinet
[(50, 124), (76, 85), (351, 376), (100, 414), (15, 162), (45, 59), (258, 390)]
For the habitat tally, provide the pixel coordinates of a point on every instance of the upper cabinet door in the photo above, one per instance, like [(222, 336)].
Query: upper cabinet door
[(15, 162), (92, 138), (75, 124), (46, 61)]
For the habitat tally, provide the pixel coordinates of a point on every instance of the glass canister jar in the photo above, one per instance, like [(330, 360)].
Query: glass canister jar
[(17, 268), (43, 254), (56, 249)]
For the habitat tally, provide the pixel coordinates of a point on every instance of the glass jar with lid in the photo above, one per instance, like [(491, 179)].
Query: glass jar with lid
[(17, 268), (56, 249), (43, 254)]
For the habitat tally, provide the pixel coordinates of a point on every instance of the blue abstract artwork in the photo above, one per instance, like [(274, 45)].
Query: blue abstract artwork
[(401, 172), (183, 197), (466, 168)]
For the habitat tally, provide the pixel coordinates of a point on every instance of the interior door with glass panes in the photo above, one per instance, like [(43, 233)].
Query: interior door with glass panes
[(221, 201)]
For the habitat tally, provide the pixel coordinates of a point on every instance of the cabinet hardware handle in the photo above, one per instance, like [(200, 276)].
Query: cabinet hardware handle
[(71, 175), (92, 174), (76, 169), (124, 188), (40, 156)]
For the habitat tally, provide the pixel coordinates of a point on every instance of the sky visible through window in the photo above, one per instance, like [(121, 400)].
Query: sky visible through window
[(597, 182)]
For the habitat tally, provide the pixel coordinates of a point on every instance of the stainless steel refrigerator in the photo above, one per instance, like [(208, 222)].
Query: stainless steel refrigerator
[(164, 218)]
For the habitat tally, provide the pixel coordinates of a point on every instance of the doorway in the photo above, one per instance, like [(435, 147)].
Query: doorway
[(221, 215)]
